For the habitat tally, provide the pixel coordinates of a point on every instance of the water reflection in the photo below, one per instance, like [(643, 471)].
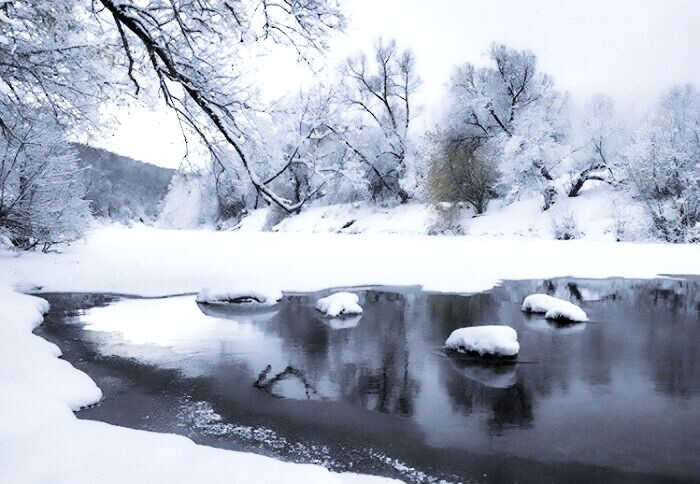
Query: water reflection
[(605, 392)]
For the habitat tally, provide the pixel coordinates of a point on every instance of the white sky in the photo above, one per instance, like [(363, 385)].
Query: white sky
[(630, 49)]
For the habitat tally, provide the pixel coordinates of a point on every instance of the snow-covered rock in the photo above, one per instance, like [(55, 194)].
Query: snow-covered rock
[(485, 340), (339, 304), (554, 308), (253, 297)]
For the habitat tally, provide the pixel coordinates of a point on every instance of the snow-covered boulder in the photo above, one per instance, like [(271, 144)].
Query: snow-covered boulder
[(339, 304), (485, 340), (554, 308), (252, 297)]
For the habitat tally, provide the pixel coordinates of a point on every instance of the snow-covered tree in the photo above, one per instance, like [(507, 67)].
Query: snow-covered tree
[(599, 140), (41, 196), (511, 109), (663, 165), (380, 90), (198, 53)]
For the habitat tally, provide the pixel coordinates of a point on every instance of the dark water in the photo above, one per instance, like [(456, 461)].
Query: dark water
[(613, 400)]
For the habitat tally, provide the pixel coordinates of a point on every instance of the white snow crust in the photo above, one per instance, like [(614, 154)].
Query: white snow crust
[(339, 304), (554, 308), (485, 340)]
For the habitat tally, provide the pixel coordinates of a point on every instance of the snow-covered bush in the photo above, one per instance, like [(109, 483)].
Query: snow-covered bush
[(565, 228), (448, 219), (485, 340), (189, 203)]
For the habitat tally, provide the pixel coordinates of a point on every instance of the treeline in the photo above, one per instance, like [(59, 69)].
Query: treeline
[(507, 131)]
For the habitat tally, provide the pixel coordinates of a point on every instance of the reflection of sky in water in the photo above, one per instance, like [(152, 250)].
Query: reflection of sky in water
[(621, 391)]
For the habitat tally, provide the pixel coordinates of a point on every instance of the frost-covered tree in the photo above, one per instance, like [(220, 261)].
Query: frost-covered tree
[(380, 90), (49, 80), (599, 140), (41, 196), (198, 51), (512, 109), (663, 165)]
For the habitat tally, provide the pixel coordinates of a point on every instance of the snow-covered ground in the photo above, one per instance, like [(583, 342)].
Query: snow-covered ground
[(598, 213), (40, 390), (149, 261)]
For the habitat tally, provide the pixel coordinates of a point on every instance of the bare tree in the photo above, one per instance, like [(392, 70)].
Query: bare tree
[(460, 171)]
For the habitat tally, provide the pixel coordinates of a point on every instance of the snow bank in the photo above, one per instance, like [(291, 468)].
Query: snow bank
[(153, 262), (554, 308), (599, 213), (265, 297), (339, 304), (43, 441), (485, 340)]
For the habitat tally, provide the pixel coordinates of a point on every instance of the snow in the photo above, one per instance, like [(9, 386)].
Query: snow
[(339, 304), (485, 340), (251, 296), (599, 212), (151, 262), (43, 441), (40, 391), (553, 308)]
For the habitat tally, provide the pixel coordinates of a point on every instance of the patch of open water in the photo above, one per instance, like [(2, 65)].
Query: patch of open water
[(616, 399)]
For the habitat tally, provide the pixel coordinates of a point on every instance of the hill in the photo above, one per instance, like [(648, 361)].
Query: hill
[(122, 188)]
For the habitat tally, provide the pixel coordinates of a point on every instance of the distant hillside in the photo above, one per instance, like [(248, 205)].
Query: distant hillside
[(121, 188)]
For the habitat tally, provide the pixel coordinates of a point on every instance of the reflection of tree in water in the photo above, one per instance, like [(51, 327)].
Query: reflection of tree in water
[(368, 365), (654, 321), (449, 312), (380, 379), (507, 407), (265, 383)]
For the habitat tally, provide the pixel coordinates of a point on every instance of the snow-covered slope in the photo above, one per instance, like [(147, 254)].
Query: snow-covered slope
[(598, 213)]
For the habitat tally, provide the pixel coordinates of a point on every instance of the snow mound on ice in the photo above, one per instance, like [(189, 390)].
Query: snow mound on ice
[(485, 340), (266, 297), (340, 303), (553, 308)]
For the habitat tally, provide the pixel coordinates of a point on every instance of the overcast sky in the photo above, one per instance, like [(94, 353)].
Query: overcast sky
[(630, 49)]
